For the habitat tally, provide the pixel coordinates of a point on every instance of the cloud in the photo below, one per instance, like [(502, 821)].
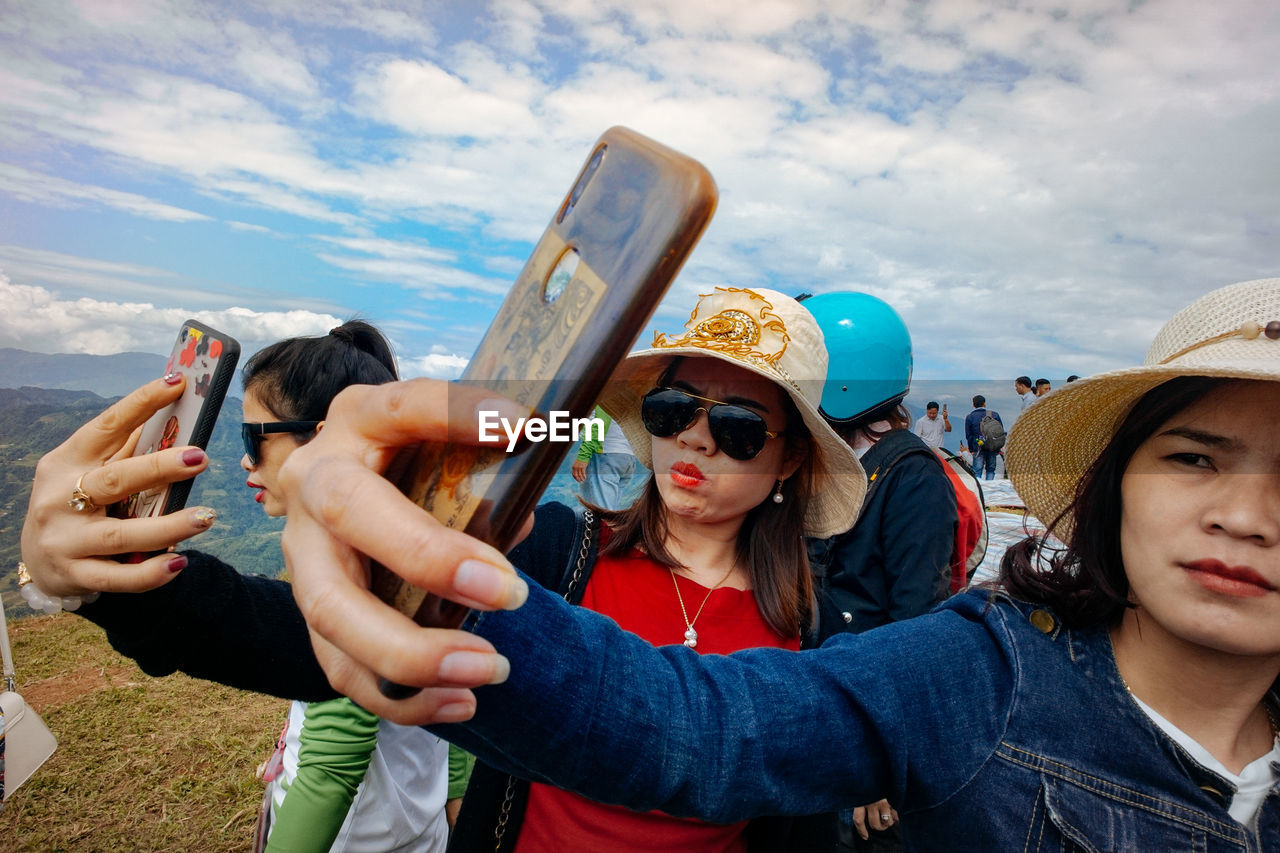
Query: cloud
[(46, 189), (36, 320), (422, 97), (436, 365), (432, 271)]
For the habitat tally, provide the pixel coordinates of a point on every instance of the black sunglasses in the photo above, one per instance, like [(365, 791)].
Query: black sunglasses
[(738, 431), (252, 434)]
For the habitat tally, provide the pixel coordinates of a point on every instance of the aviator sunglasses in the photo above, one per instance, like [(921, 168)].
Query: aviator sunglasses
[(252, 434), (738, 431)]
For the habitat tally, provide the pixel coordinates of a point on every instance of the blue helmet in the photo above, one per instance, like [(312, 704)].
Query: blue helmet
[(868, 351)]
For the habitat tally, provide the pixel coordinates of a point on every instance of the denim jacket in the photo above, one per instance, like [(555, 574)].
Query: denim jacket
[(989, 725), (986, 722)]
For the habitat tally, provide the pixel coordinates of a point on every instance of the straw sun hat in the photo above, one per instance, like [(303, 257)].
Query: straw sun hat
[(773, 336), (1233, 332)]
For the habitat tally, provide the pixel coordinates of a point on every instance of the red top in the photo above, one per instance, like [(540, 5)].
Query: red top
[(638, 594)]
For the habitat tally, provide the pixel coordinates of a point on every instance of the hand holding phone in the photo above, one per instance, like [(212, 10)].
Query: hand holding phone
[(604, 262)]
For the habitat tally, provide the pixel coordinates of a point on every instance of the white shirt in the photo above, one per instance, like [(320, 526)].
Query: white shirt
[(1253, 783), (930, 430), (399, 806), (1027, 399)]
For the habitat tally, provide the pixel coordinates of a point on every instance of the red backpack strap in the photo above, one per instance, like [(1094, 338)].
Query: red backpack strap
[(971, 527)]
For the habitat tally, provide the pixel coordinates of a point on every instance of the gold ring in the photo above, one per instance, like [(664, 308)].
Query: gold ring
[(80, 500), (24, 576)]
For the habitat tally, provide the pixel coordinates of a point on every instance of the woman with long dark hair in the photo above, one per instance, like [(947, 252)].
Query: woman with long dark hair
[(341, 779)]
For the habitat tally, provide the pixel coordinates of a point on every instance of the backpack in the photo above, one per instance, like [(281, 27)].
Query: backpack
[(971, 512), (992, 432), (971, 530)]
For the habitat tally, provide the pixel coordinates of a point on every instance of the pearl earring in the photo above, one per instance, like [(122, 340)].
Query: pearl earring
[(777, 495)]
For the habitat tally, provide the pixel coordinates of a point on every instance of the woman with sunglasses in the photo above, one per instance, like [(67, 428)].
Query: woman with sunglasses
[(711, 557), (341, 779)]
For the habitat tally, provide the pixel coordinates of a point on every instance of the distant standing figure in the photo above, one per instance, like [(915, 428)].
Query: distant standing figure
[(930, 427), (1026, 393), (1042, 387), (984, 458), (605, 468)]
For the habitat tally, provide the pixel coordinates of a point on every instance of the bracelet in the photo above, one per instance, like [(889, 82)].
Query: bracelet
[(38, 599)]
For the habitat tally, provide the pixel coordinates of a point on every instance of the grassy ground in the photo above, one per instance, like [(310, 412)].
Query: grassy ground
[(142, 763)]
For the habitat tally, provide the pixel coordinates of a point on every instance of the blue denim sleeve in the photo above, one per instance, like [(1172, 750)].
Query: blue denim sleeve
[(909, 711)]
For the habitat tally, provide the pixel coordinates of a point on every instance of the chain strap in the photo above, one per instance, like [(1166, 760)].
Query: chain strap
[(509, 796), (505, 814), (584, 550)]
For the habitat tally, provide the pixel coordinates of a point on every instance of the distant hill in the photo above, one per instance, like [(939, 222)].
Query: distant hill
[(108, 375)]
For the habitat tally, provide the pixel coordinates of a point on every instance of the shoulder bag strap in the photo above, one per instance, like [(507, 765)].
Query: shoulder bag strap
[(6, 652)]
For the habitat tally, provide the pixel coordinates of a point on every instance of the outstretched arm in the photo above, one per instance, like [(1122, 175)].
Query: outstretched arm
[(599, 711)]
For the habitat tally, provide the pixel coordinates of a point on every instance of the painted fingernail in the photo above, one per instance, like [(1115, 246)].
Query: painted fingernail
[(488, 585), (172, 378), (194, 456), (474, 668), (177, 564), (204, 516)]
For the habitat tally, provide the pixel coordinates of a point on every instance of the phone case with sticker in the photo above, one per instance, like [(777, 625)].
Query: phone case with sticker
[(208, 359)]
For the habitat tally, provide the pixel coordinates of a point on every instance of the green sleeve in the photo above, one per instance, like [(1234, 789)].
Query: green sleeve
[(590, 447), (460, 764), (336, 743)]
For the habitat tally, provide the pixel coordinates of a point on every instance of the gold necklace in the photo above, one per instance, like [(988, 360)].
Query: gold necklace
[(690, 635)]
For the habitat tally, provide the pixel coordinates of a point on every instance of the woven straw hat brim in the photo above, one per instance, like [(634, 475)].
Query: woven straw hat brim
[(839, 482), (1054, 442)]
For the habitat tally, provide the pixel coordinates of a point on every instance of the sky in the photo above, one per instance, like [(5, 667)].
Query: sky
[(1035, 187)]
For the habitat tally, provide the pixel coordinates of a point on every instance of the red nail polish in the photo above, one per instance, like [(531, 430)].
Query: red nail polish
[(172, 378), (177, 564), (194, 456)]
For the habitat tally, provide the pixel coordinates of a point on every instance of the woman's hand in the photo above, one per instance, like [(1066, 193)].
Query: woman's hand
[(878, 816), (343, 512), (67, 552)]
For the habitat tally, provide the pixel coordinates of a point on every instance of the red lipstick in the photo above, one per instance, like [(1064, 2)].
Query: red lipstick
[(262, 491), (686, 475), (1217, 576)]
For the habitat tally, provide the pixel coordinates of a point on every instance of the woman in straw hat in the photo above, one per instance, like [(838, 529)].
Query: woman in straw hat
[(711, 557)]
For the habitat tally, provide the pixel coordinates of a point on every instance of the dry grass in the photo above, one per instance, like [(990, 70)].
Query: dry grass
[(142, 763)]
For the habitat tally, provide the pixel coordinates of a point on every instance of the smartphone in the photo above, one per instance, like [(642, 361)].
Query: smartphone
[(616, 241), (208, 359)]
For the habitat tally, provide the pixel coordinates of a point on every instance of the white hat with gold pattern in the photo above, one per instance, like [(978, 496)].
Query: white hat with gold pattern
[(772, 335)]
